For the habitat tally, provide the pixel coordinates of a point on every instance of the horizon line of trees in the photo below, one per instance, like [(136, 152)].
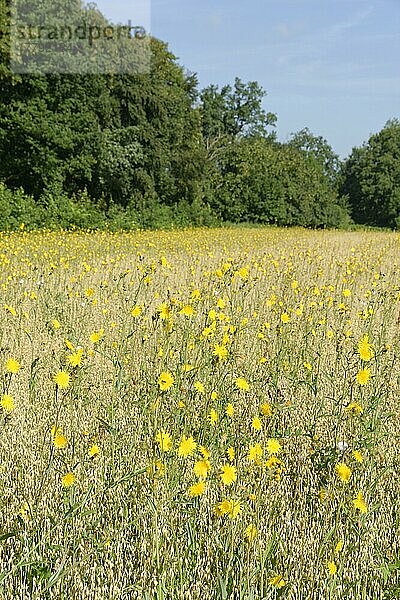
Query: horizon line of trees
[(152, 150)]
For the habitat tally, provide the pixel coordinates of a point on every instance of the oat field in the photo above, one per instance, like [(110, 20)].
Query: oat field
[(202, 414)]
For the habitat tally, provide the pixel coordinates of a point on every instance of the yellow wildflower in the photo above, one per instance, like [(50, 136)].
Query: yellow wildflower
[(12, 365), (165, 381), (251, 532), (273, 446), (277, 581), (363, 376), (201, 468), (343, 472), (354, 408), (228, 475), (60, 441), (187, 446), (230, 409), (68, 480), (7, 403), (164, 440), (332, 568), (197, 489), (242, 384), (360, 503), (62, 379), (358, 456), (365, 349), (94, 451)]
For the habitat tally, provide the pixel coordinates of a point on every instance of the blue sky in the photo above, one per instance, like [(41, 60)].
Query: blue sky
[(330, 65)]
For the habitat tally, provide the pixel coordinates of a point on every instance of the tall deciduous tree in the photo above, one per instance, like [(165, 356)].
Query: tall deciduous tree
[(119, 136), (371, 178), (235, 111), (317, 147)]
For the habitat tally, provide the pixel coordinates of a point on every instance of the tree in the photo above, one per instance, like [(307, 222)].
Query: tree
[(118, 136), (371, 178), (235, 111), (272, 183), (319, 149)]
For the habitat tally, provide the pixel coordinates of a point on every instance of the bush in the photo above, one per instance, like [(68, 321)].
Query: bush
[(18, 209), (62, 212), (263, 182), (55, 210)]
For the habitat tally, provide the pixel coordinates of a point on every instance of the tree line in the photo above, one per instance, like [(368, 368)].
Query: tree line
[(152, 150)]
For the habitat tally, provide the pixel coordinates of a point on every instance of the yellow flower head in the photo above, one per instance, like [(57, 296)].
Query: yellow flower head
[(75, 359), (204, 452), (197, 489), (7, 403), (343, 472), (332, 568), (273, 446), (164, 311), (230, 410), (60, 441), (201, 468), (25, 512), (360, 503), (69, 345), (94, 451), (165, 381), (277, 581), (228, 475), (266, 409), (242, 384), (251, 532), (273, 462), (322, 495), (187, 310), (213, 416), (365, 349), (363, 376), (12, 365), (62, 379), (199, 387), (220, 351), (164, 440), (354, 408), (187, 446), (136, 311), (232, 508), (339, 546), (96, 336), (255, 453), (68, 480), (357, 456)]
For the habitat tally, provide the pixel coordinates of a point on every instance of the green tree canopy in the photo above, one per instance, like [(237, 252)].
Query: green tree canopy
[(272, 183), (122, 137), (371, 178), (236, 111), (317, 147)]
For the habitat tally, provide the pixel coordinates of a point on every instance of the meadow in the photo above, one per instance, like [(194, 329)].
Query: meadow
[(200, 414)]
